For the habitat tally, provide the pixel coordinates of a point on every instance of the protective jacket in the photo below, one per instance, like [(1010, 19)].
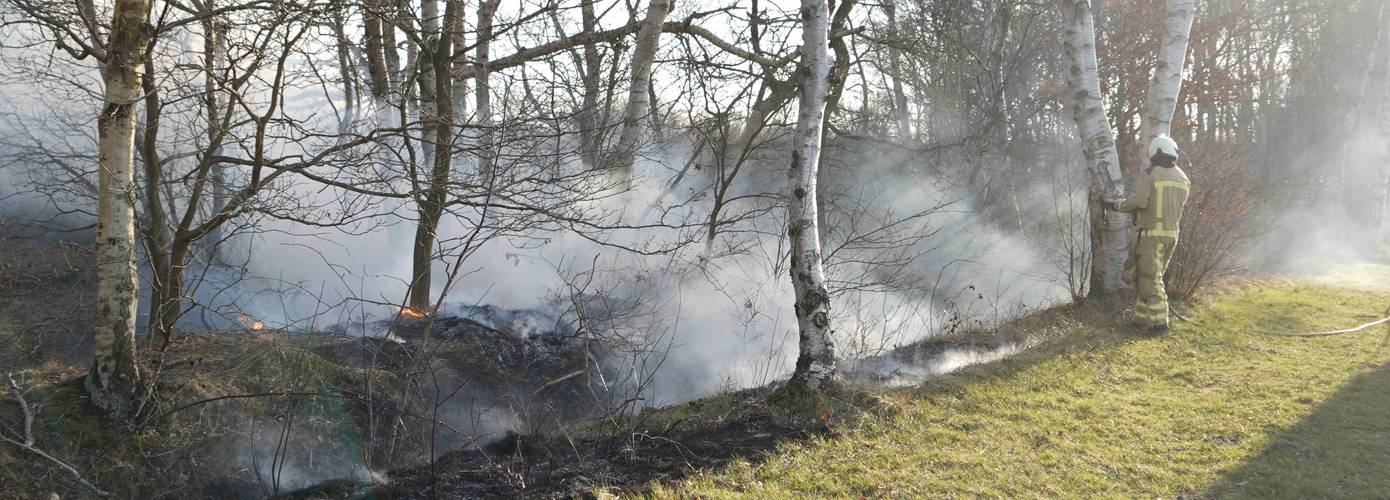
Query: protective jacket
[(1159, 195), (1157, 202)]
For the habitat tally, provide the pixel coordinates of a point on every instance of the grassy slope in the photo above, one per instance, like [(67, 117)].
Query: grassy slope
[(1214, 409)]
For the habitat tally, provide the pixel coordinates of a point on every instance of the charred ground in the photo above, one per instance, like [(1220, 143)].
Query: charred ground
[(248, 414)]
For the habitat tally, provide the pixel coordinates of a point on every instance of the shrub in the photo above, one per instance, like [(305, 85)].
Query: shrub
[(1215, 223)]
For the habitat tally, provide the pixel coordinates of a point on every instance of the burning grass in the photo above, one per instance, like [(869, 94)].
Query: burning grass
[(1213, 410)]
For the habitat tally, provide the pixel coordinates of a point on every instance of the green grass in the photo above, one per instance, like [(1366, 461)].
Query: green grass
[(1215, 409)]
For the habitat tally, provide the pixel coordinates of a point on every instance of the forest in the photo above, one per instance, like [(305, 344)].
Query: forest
[(676, 248)]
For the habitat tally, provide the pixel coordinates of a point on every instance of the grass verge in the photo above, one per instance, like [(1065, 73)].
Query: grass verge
[(1214, 409)]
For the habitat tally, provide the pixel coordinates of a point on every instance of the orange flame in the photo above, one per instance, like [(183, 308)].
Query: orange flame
[(411, 313), (249, 322)]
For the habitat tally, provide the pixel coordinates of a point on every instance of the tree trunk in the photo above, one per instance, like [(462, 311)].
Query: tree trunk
[(460, 85), (214, 58), (1166, 83), (902, 115), (815, 366), (165, 289), (115, 376), (1109, 238), (390, 10), (778, 94), (590, 130), (638, 100), (436, 61), (345, 69), (483, 54), (372, 27), (428, 28)]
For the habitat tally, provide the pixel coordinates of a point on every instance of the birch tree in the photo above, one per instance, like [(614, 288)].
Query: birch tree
[(1109, 241), (638, 101), (115, 376), (815, 365), (1166, 83)]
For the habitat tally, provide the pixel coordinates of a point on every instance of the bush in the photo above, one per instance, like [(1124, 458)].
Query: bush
[(1215, 223)]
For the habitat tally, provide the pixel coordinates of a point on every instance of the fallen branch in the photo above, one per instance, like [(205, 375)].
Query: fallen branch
[(28, 443), (558, 380), (24, 411), (1335, 332)]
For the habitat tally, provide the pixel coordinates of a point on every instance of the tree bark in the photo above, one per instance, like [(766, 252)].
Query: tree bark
[(214, 58), (590, 130), (483, 53), (460, 85), (1166, 83), (372, 27), (815, 365), (901, 114), (345, 69), (1109, 238), (166, 290), (114, 378), (638, 100), (428, 27), (436, 62)]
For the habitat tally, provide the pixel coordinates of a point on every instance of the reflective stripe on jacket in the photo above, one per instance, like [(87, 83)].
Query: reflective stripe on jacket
[(1159, 195)]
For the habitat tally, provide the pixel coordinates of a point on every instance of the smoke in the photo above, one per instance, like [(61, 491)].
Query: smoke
[(283, 460), (893, 371), (1334, 209), (695, 323), (911, 254)]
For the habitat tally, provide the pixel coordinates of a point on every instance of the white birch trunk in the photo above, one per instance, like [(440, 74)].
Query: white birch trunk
[(1166, 83), (1109, 238), (815, 365), (638, 100), (115, 376)]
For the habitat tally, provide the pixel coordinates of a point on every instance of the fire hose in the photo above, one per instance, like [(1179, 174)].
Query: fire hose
[(1334, 332)]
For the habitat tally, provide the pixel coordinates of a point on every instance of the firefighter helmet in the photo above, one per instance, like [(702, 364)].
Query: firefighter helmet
[(1163, 144)]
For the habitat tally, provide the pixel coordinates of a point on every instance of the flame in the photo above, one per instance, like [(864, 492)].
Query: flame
[(411, 313), (249, 322)]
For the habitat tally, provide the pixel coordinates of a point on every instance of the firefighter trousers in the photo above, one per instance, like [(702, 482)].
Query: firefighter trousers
[(1144, 271)]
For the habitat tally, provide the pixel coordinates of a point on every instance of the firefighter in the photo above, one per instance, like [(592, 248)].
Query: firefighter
[(1157, 200)]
